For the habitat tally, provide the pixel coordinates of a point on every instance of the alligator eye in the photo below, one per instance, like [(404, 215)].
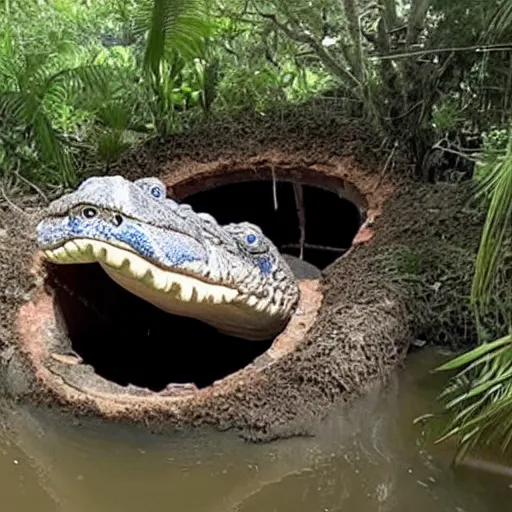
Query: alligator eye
[(88, 212), (156, 192), (251, 238)]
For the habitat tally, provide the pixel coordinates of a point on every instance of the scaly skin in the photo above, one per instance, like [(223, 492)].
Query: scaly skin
[(231, 277)]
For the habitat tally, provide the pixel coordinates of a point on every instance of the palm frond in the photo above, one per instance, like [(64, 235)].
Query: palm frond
[(34, 70), (8, 70), (479, 399), (115, 115), (109, 145), (87, 79), (52, 149), (207, 76), (476, 356), (500, 20), (497, 185), (56, 94), (11, 105), (172, 26)]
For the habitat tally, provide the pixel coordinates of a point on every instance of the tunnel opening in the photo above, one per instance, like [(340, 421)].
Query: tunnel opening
[(331, 221), (128, 341)]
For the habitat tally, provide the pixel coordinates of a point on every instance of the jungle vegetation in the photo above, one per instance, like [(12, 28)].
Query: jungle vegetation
[(82, 80)]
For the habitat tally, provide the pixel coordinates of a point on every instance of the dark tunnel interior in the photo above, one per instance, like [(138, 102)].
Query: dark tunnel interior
[(331, 222)]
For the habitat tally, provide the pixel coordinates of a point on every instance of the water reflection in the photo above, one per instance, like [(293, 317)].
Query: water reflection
[(370, 458)]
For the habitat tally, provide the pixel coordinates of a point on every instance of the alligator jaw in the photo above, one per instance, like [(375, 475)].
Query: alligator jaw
[(172, 292), (123, 262)]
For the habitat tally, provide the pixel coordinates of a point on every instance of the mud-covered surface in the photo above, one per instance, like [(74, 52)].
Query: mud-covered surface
[(310, 134), (409, 280)]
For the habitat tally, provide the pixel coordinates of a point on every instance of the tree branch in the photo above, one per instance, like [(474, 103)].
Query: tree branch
[(389, 13), (417, 15), (352, 15), (298, 35)]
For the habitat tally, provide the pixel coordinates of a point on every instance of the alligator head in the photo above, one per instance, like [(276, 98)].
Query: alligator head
[(231, 277)]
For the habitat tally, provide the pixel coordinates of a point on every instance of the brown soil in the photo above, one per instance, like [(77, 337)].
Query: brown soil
[(407, 277)]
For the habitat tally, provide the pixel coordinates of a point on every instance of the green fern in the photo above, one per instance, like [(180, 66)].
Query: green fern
[(27, 104)]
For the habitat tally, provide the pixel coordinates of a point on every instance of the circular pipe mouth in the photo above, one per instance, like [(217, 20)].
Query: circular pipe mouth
[(47, 345), (82, 361)]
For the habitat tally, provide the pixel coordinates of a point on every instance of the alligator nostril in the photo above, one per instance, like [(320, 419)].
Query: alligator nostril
[(117, 220)]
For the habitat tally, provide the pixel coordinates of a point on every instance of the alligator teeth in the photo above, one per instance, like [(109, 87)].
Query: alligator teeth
[(160, 281), (214, 297), (129, 266), (115, 257), (138, 268), (252, 301), (200, 293), (273, 309), (72, 250), (168, 283), (230, 294), (83, 245), (260, 305), (50, 256), (221, 295), (62, 256), (186, 290), (86, 251)]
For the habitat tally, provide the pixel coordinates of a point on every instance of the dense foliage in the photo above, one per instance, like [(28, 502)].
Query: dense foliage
[(79, 81), (82, 80)]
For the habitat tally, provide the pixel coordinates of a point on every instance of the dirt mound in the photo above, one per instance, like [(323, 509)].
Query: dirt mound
[(407, 277), (308, 133)]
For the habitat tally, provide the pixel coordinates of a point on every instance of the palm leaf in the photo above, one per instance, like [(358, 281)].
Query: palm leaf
[(87, 79), (479, 398), (500, 20), (172, 25), (497, 184), (8, 71), (109, 145), (11, 105), (479, 403), (115, 115), (51, 148), (477, 354)]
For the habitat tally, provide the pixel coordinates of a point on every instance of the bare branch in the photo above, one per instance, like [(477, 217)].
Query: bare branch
[(298, 35), (386, 165), (384, 44), (419, 9), (389, 13), (10, 203), (35, 187), (455, 49), (449, 149), (316, 247), (369, 37), (274, 189), (352, 15)]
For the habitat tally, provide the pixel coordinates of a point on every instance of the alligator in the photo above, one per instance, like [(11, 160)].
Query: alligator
[(231, 277)]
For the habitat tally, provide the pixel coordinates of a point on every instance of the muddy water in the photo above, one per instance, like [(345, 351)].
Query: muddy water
[(371, 458)]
